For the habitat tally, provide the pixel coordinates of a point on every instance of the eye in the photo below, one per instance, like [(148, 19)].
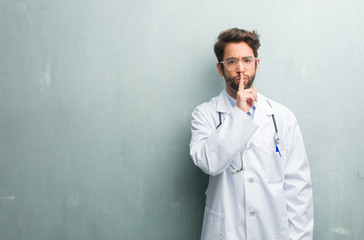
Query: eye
[(231, 61), (248, 60)]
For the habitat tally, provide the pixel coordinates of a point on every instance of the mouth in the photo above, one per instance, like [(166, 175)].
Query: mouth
[(239, 78)]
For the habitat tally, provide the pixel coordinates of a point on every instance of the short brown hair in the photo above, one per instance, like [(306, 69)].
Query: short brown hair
[(236, 35)]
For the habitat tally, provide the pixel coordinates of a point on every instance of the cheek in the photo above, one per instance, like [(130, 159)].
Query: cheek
[(252, 72), (228, 74)]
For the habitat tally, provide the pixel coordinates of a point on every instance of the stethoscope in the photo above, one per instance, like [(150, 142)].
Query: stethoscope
[(276, 137)]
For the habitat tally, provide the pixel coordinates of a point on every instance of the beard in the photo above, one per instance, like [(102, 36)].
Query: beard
[(232, 83)]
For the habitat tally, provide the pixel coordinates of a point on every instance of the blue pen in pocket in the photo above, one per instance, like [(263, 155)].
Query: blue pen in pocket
[(277, 150)]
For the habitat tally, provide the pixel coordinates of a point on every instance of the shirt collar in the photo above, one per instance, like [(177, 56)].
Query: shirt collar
[(231, 100)]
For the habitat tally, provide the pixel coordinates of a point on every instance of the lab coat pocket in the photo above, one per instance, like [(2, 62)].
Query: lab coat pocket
[(275, 166), (213, 225)]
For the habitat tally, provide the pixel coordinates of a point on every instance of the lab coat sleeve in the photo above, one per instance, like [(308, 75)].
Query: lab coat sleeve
[(211, 149), (298, 187)]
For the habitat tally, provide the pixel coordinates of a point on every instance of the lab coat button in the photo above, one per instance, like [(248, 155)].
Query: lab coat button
[(252, 214), (251, 180)]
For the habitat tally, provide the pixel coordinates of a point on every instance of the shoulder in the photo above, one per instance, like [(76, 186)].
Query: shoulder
[(280, 110), (207, 107), (206, 113)]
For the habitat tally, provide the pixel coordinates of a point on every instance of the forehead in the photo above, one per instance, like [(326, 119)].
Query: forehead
[(238, 50)]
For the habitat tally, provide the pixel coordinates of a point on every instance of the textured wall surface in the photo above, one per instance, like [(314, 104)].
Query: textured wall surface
[(96, 100)]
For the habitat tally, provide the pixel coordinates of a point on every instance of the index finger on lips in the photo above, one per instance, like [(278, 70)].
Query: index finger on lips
[(241, 85)]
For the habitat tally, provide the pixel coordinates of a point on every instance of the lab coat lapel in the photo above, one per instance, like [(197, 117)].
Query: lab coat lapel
[(223, 104), (262, 115), (263, 111)]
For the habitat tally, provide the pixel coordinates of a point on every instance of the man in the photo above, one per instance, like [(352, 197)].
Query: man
[(252, 148)]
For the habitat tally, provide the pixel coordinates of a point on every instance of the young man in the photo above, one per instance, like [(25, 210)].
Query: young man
[(252, 148)]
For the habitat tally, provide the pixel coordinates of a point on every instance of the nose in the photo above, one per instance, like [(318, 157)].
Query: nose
[(240, 67)]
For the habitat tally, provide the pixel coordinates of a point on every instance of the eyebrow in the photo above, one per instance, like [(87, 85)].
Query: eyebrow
[(241, 58)]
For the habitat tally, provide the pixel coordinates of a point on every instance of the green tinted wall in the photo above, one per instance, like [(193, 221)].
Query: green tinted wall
[(96, 99)]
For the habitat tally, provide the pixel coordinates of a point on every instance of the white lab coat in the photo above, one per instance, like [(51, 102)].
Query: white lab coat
[(272, 197)]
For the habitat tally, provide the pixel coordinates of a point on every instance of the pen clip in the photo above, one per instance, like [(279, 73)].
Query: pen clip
[(276, 138), (277, 150)]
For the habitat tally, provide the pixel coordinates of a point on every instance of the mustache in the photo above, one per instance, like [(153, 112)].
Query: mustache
[(249, 83), (246, 76)]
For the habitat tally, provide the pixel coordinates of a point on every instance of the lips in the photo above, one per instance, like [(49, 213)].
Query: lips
[(238, 78)]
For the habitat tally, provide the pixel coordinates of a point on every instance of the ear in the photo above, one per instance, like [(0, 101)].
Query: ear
[(221, 70), (256, 69)]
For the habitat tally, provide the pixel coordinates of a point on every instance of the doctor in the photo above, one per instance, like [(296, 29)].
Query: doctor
[(252, 148)]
